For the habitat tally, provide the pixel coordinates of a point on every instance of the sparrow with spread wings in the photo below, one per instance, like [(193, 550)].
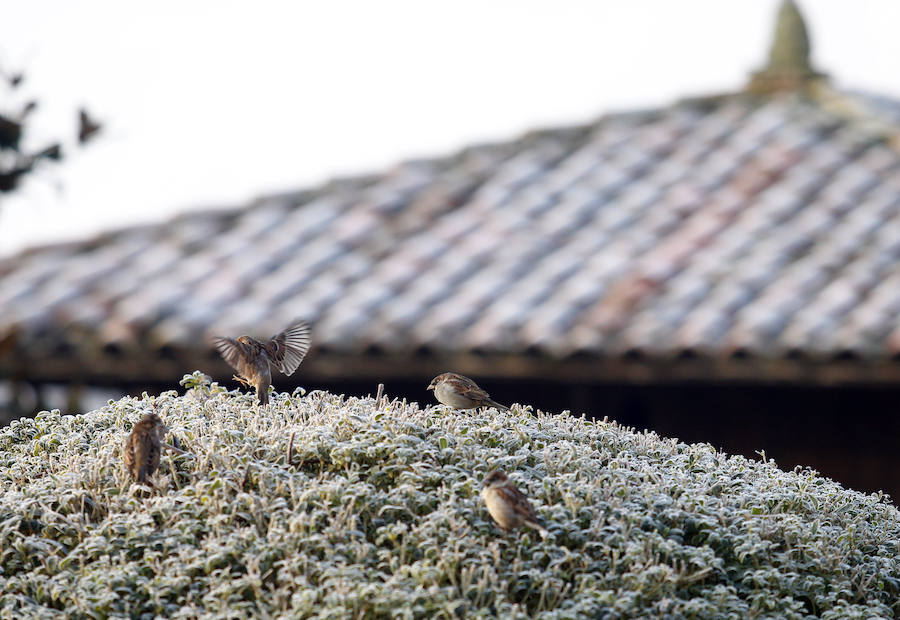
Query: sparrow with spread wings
[(507, 505), (461, 392), (252, 358)]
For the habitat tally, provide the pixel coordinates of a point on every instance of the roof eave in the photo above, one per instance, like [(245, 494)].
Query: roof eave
[(326, 366)]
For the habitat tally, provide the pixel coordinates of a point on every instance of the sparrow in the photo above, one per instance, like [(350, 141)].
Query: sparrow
[(507, 505), (252, 358), (143, 448), (461, 392)]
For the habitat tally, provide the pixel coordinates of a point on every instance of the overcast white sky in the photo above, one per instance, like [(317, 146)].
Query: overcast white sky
[(210, 103)]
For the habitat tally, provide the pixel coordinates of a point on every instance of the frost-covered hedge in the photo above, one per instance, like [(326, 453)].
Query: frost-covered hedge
[(380, 517)]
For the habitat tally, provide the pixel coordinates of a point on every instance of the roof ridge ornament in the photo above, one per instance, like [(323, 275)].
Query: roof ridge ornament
[(789, 68)]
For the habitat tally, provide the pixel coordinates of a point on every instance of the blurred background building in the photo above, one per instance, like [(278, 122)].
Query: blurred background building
[(724, 269)]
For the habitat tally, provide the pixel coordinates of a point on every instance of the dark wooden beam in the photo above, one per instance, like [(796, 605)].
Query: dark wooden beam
[(326, 366)]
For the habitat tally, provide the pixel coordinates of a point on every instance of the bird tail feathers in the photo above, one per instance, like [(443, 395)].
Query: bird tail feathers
[(544, 532), (494, 403)]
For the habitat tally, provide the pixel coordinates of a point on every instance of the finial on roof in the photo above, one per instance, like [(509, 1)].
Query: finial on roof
[(789, 68)]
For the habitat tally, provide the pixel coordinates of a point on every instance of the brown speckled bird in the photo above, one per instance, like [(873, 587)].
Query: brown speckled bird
[(143, 448), (461, 392), (507, 505), (252, 358)]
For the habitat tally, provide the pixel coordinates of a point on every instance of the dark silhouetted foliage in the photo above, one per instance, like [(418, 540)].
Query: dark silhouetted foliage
[(17, 160)]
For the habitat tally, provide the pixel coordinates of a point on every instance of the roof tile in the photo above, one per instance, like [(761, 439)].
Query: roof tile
[(768, 225)]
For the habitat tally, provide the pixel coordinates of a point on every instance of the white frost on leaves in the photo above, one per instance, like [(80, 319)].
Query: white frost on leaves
[(380, 516)]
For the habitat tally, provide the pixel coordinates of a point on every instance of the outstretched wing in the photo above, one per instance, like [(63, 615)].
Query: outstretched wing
[(288, 348), (232, 352)]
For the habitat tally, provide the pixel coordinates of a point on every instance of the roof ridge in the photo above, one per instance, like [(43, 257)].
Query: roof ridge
[(855, 108)]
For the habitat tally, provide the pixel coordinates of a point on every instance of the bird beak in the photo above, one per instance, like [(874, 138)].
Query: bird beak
[(430, 387)]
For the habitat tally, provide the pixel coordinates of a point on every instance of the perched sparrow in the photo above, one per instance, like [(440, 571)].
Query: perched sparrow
[(508, 505), (143, 448), (251, 358), (461, 392)]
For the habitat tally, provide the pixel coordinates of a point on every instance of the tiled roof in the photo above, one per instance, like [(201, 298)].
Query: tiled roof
[(716, 228)]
